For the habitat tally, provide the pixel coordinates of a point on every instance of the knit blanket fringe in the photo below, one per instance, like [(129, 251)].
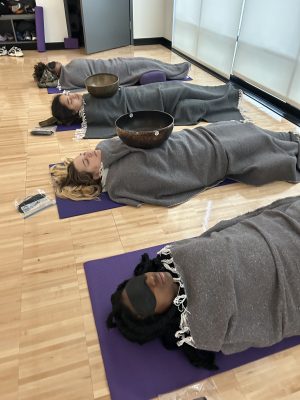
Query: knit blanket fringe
[(241, 107), (183, 334), (80, 133)]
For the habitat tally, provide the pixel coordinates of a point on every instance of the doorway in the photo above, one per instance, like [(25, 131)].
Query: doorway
[(100, 24)]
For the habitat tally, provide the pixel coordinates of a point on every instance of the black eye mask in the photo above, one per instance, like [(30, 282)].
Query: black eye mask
[(140, 296), (51, 66)]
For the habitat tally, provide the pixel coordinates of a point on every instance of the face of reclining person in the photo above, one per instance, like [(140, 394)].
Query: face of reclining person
[(55, 67), (73, 101), (163, 288), (89, 161)]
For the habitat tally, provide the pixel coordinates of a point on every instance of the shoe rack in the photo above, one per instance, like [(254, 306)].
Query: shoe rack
[(8, 25)]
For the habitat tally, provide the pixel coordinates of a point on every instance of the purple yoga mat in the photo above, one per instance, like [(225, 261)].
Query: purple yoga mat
[(55, 90), (137, 372), (70, 208), (72, 127)]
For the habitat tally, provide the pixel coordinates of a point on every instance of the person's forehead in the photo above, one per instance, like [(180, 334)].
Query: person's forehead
[(77, 161), (63, 98)]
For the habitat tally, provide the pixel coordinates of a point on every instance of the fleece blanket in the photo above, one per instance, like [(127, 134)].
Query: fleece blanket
[(187, 103), (129, 70), (164, 370), (241, 280), (194, 160)]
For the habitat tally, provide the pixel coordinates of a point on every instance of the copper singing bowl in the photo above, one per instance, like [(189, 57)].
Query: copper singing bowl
[(102, 85), (144, 129)]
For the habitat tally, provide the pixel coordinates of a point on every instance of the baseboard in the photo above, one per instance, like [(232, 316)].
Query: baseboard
[(55, 46), (22, 45), (276, 105), (157, 40), (201, 66)]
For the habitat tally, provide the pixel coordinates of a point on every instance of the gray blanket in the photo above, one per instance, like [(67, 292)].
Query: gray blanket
[(188, 104), (129, 70), (241, 280), (194, 160)]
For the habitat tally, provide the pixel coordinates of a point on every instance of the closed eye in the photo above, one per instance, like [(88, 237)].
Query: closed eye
[(85, 162)]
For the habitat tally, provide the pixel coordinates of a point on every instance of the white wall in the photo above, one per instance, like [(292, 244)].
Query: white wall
[(148, 18), (54, 20), (151, 18)]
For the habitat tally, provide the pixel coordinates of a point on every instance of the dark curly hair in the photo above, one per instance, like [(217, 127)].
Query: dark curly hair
[(38, 71), (162, 326), (62, 113)]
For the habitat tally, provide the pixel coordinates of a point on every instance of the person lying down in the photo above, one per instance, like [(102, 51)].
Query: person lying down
[(187, 163), (129, 70), (186, 102), (234, 287)]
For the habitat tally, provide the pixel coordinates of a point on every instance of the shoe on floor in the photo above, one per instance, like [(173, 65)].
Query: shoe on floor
[(19, 36), (15, 52), (10, 37), (3, 51), (26, 35)]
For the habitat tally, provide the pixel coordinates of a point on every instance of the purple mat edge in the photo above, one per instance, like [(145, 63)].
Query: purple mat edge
[(70, 208), (122, 384), (64, 128)]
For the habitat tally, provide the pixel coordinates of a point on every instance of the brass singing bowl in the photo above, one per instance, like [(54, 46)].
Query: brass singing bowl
[(144, 129), (102, 85)]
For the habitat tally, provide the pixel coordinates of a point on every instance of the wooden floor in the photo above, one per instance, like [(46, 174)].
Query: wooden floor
[(48, 343)]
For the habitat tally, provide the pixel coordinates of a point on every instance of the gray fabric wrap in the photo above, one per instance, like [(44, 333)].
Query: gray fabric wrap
[(193, 160), (242, 279), (187, 103), (129, 70)]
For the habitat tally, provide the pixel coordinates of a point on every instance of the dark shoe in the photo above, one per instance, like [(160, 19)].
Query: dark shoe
[(19, 36), (27, 35)]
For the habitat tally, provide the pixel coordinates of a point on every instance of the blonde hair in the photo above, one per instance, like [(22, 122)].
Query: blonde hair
[(74, 185)]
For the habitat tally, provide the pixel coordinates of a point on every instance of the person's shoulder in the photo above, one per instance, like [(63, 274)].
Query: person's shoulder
[(77, 61)]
